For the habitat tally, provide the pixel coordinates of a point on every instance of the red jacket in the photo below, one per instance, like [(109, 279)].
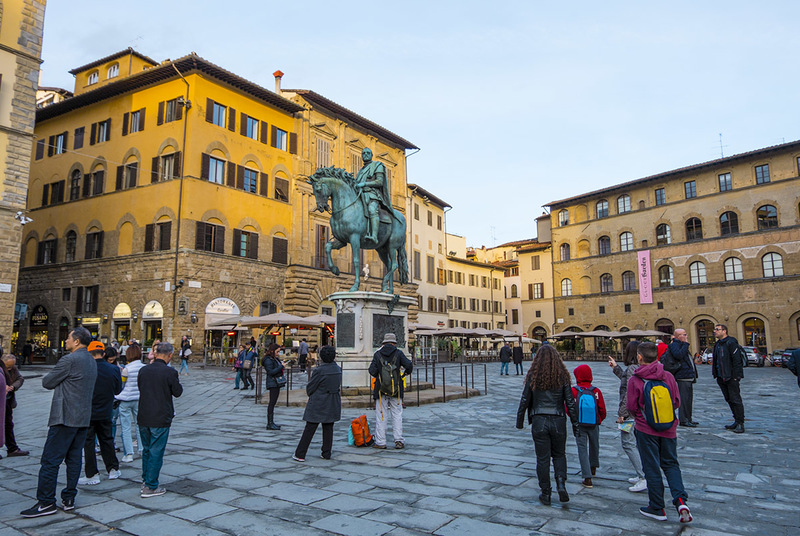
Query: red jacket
[(583, 376)]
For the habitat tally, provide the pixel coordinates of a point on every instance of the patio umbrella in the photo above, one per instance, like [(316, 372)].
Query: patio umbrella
[(565, 335), (322, 318), (414, 326), (595, 333), (277, 319)]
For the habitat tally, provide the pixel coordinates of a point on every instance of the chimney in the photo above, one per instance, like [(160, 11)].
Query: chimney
[(278, 75)]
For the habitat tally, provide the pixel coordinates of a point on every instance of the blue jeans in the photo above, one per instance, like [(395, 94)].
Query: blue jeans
[(184, 365), (588, 441), (63, 443), (128, 414), (154, 441), (660, 452), (503, 367), (518, 367), (238, 378)]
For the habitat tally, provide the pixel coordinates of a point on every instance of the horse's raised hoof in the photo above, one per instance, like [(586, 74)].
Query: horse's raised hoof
[(354, 288)]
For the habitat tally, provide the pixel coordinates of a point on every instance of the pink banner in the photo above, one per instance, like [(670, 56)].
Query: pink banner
[(645, 281)]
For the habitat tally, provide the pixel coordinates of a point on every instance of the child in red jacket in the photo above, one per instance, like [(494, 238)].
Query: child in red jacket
[(591, 412)]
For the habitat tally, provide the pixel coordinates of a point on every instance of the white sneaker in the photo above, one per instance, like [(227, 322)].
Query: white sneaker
[(96, 449), (128, 458), (89, 480), (114, 474), (641, 485), (634, 480), (135, 443)]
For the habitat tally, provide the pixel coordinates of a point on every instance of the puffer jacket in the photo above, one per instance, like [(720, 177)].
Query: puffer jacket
[(273, 366), (635, 403), (559, 402), (624, 374), (130, 389), (728, 361)]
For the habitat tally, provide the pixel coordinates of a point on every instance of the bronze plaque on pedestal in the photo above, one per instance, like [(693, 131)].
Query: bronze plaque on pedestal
[(383, 324)]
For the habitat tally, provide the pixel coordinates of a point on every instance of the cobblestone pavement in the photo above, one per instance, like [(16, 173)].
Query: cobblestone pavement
[(466, 470)]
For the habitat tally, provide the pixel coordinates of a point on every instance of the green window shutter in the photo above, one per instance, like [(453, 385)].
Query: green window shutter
[(160, 118), (149, 230)]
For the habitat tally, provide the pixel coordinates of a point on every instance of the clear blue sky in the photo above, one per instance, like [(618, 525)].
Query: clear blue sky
[(514, 103)]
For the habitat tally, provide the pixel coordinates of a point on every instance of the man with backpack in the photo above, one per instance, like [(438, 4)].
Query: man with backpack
[(388, 390), (652, 399), (728, 369), (678, 361)]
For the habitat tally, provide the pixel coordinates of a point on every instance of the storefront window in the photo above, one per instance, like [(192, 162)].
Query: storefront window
[(755, 334)]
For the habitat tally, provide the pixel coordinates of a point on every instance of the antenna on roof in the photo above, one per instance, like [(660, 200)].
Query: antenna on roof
[(494, 238), (721, 154)]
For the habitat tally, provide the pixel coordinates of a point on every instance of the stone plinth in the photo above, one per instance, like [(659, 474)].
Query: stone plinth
[(362, 319)]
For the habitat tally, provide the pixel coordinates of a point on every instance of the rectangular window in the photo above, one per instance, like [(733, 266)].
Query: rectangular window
[(535, 262), (40, 149), (280, 250), (168, 167), (473, 280), (484, 282), (431, 269), (78, 142), (627, 307), (90, 299), (538, 291), (134, 121), (210, 237), (279, 138), (172, 111), (281, 189), (219, 115), (100, 132), (762, 174), (661, 197), (251, 127), (131, 174), (250, 180), (94, 245), (158, 236), (690, 189), (322, 236), (430, 218), (47, 252), (66, 294), (216, 170), (440, 277), (98, 180), (416, 211), (701, 300), (515, 316), (323, 153), (417, 265), (60, 143), (602, 309), (245, 244), (725, 182)]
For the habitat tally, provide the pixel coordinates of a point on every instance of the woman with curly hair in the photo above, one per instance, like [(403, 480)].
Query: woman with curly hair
[(547, 398)]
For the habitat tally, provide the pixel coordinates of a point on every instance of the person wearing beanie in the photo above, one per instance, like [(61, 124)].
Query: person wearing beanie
[(591, 412), (324, 405)]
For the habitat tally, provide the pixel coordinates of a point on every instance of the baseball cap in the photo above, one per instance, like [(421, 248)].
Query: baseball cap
[(96, 345)]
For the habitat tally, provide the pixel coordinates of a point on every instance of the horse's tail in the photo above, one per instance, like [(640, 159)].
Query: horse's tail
[(402, 264)]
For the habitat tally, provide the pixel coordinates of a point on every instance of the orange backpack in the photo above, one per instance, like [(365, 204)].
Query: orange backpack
[(360, 429)]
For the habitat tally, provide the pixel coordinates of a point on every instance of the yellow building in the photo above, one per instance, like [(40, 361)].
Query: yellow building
[(717, 242), (168, 197), (21, 24), (474, 289), (159, 193)]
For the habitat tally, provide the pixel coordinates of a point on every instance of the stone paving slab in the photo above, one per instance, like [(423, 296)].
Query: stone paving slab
[(465, 470)]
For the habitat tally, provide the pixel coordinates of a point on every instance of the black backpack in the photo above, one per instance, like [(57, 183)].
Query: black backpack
[(671, 364), (389, 375)]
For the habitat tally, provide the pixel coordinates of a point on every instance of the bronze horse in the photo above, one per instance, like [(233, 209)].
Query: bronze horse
[(349, 226)]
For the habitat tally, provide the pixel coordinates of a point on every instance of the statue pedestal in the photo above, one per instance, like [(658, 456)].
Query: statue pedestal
[(362, 319)]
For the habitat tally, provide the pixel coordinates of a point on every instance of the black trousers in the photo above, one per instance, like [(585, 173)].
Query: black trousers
[(274, 392), (686, 392), (550, 441), (63, 444), (11, 442), (308, 435), (248, 378), (730, 390), (101, 429)]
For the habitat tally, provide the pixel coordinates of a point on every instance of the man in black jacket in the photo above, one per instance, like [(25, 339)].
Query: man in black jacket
[(107, 385), (158, 383), (728, 369), (388, 391), (677, 360)]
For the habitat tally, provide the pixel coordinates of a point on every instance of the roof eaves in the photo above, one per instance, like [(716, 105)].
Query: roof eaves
[(338, 109), (425, 193), (679, 171), (110, 57)]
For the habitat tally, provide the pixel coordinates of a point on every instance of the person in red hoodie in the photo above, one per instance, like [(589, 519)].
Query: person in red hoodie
[(658, 449), (587, 435)]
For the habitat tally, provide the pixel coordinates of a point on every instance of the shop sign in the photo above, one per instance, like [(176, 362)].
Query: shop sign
[(122, 312), (90, 320), (224, 306), (153, 310), (39, 317)]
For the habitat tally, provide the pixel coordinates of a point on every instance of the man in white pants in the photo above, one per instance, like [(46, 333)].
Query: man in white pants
[(388, 390)]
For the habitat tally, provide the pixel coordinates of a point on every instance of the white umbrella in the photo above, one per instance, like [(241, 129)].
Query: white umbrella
[(322, 318), (277, 319)]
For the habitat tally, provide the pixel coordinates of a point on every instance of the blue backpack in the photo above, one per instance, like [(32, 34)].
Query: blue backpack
[(588, 410)]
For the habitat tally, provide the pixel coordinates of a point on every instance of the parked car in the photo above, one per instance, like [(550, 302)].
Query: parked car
[(707, 356), (786, 355), (777, 358), (753, 357)]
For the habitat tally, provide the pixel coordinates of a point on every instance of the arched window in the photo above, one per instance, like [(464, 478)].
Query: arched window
[(563, 218), (772, 264), (606, 283), (564, 252), (767, 216), (623, 204), (626, 241), (728, 223), (72, 244), (733, 269), (601, 209), (694, 229), (628, 281), (697, 273), (267, 308), (662, 234), (75, 185), (513, 291), (93, 78), (113, 71), (666, 277), (566, 287), (604, 245)]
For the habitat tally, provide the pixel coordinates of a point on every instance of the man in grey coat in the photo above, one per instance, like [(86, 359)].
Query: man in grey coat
[(72, 381), (324, 406)]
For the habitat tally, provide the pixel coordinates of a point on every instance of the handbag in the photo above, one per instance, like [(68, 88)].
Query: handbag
[(247, 364), (281, 379), (187, 353)]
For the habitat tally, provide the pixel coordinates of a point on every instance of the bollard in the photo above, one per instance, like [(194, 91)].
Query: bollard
[(485, 381), (444, 383)]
